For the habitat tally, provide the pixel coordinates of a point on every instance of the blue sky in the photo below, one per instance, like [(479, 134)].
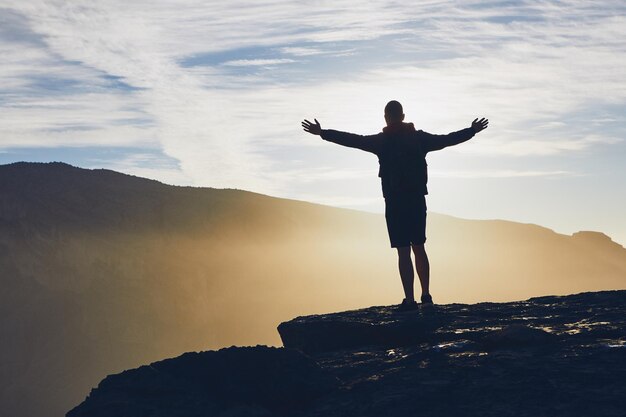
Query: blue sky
[(212, 94)]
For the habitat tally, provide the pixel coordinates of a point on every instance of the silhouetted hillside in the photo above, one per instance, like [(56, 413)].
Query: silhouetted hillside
[(103, 271)]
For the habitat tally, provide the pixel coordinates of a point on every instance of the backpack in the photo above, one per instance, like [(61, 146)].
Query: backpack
[(403, 168)]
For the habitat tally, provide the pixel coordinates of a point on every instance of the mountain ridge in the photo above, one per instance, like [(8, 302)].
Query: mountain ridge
[(117, 271), (23, 167)]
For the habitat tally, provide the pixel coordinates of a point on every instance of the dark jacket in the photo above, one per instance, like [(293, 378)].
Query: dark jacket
[(401, 152)]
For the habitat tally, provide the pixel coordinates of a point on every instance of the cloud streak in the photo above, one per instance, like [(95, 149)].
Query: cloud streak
[(532, 67), (497, 174), (257, 62)]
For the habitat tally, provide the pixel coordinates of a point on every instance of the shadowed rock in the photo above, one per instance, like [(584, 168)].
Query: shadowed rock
[(534, 322), (377, 326), (517, 335), (556, 356), (236, 381), (547, 356)]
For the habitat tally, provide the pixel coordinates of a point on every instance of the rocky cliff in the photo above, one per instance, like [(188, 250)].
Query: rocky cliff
[(547, 356)]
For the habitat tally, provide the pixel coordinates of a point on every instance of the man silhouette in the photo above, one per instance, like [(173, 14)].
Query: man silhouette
[(401, 152)]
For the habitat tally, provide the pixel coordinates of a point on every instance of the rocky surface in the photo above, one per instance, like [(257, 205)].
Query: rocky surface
[(247, 381), (547, 356)]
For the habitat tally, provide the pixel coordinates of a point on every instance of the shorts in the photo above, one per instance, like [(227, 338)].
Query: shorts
[(406, 220)]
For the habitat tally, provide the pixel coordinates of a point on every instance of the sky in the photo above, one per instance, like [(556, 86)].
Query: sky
[(212, 93)]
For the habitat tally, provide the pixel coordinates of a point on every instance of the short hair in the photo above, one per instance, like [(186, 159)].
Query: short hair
[(394, 109)]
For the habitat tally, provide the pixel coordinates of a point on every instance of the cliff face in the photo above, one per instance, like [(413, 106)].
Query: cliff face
[(556, 356)]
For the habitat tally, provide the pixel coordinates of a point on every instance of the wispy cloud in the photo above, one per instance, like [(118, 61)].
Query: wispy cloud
[(542, 147), (497, 174), (301, 51), (257, 62), (326, 173), (532, 67)]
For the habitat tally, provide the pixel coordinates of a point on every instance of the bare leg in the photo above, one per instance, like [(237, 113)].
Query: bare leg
[(406, 271), (423, 267)]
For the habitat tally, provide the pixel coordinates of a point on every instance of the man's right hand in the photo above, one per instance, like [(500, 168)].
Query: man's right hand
[(314, 129), (479, 125)]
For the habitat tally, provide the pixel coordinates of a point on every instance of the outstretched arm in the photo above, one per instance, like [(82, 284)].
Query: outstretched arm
[(366, 143), (437, 142)]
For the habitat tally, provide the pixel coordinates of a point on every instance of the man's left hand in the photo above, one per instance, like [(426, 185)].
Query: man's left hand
[(479, 125), (312, 128)]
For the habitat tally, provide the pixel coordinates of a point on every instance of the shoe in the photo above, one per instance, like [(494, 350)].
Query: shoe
[(407, 305), (427, 299)]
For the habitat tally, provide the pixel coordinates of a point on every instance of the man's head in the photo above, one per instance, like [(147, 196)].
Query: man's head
[(393, 112)]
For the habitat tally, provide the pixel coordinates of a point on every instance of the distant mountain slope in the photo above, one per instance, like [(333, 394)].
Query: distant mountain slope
[(103, 271)]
